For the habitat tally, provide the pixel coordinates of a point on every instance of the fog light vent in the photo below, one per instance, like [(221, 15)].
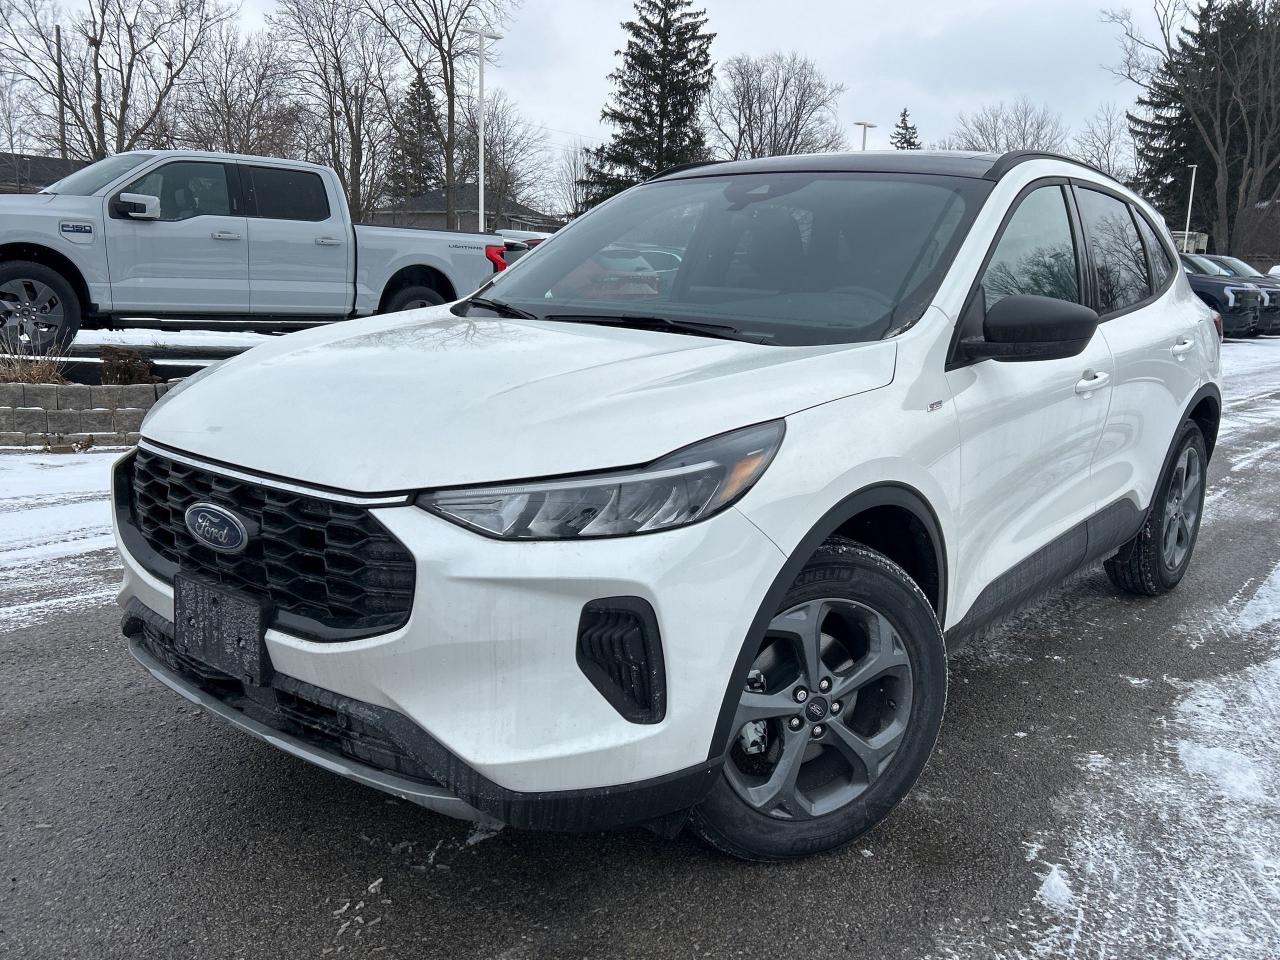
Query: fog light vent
[(620, 652)]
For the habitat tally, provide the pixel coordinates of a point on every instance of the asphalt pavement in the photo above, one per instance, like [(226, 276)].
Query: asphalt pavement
[(1105, 786)]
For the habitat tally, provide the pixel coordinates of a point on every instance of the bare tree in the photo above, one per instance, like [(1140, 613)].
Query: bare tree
[(1105, 142), (342, 64), (514, 152), (433, 39), (1227, 84), (123, 61), (774, 105), (240, 97), (1001, 127), (566, 192)]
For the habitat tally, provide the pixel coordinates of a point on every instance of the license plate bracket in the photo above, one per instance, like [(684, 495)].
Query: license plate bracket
[(221, 628)]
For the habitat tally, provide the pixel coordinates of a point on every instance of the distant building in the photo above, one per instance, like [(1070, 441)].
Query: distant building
[(428, 210), (24, 173)]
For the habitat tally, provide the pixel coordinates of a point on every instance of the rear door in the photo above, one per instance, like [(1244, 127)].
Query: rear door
[(1156, 337), (194, 259), (1028, 430), (300, 248)]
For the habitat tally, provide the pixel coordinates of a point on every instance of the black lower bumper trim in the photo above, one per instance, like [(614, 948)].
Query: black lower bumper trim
[(386, 740)]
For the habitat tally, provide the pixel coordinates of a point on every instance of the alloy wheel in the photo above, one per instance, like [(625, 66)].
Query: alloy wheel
[(1182, 508), (31, 316), (824, 710)]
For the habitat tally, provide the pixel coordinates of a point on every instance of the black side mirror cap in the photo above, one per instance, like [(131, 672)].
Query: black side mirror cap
[(1024, 327)]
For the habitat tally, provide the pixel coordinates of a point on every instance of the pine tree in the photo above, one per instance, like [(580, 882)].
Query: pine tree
[(905, 136), (1167, 138), (416, 162), (658, 94)]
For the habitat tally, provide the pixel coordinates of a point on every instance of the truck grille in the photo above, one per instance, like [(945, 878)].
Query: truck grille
[(329, 571)]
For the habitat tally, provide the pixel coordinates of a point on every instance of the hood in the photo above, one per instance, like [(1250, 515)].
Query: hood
[(27, 202), (425, 399)]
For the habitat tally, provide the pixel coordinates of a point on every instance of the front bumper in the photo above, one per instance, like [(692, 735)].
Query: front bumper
[(484, 673), (1239, 323)]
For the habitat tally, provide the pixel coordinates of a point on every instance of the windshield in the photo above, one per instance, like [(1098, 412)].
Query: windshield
[(782, 258), (1201, 265), (1239, 267), (91, 179)]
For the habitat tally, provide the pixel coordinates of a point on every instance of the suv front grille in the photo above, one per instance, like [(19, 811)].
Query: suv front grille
[(329, 571)]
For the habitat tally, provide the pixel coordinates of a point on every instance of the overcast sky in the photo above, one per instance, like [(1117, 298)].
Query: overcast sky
[(935, 57)]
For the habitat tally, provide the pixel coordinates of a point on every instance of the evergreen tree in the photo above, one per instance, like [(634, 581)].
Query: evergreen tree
[(1167, 138), (658, 94), (905, 136), (416, 162)]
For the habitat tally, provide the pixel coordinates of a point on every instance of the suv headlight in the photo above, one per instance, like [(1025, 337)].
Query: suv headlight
[(681, 488)]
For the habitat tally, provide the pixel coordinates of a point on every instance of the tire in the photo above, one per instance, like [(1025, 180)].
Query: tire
[(872, 624), (413, 298), (39, 310), (1145, 565)]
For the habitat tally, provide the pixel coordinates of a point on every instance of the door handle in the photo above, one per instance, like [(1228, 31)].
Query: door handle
[(224, 235), (1184, 346), (328, 242), (1092, 381)]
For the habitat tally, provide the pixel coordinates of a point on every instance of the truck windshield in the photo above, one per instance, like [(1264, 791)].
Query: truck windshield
[(783, 258), (1240, 268), (91, 179)]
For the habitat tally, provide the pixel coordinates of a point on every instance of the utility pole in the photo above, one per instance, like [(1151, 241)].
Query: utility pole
[(482, 36), (62, 95), (1186, 231), (865, 125)]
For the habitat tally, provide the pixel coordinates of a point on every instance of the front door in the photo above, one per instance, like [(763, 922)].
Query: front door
[(192, 260), (1028, 430)]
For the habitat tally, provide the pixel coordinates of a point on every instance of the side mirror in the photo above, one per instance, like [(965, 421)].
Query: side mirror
[(1024, 327), (137, 206)]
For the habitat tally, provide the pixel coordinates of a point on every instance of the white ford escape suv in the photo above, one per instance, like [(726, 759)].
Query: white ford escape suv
[(676, 518)]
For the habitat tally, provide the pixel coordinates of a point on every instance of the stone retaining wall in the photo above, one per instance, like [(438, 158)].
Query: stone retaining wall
[(46, 414)]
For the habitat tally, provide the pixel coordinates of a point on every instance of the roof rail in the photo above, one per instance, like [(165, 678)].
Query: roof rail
[(681, 167), (1014, 157)]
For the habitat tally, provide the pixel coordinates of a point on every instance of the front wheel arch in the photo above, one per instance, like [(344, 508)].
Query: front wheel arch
[(836, 521)]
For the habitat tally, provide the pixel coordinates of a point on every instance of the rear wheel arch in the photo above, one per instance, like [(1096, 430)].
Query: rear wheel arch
[(1205, 411), (869, 513), (58, 262), (417, 275)]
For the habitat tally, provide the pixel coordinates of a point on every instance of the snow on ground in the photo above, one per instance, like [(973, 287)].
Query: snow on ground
[(176, 339), (55, 534)]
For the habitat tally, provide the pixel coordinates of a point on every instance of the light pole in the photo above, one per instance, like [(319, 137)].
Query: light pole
[(865, 125), (1186, 232), (482, 36)]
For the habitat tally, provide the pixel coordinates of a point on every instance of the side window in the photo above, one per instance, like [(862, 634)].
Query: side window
[(1036, 254), (1118, 255), (1160, 265), (187, 189), (282, 194)]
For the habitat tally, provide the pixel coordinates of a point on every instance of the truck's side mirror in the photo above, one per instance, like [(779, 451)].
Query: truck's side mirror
[(136, 206), (1025, 327)]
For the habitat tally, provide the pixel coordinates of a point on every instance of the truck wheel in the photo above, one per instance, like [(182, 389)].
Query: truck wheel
[(1156, 560), (840, 711), (413, 298), (39, 311)]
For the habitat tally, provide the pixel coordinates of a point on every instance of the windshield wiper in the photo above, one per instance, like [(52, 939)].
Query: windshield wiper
[(700, 328), (503, 309)]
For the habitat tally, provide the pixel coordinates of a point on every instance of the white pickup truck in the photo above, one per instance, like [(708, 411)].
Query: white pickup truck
[(185, 236)]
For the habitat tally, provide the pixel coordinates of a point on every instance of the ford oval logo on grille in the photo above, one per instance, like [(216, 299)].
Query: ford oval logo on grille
[(217, 527)]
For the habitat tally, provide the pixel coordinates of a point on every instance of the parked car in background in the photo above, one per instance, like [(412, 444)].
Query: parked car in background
[(651, 552), (1274, 271), (180, 235), (1237, 302), (530, 238), (1269, 315)]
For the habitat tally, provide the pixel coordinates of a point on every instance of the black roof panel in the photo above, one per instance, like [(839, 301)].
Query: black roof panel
[(956, 163)]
